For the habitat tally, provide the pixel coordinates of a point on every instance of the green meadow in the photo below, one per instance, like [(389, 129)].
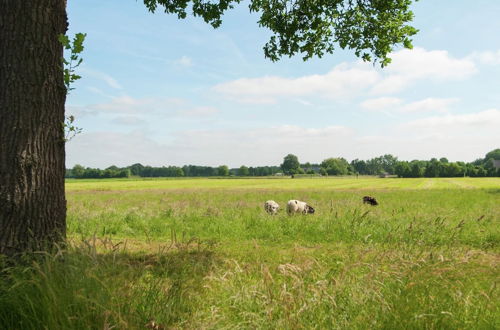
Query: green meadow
[(203, 254)]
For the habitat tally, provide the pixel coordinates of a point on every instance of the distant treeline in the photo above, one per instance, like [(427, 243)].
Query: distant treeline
[(384, 165), (80, 172)]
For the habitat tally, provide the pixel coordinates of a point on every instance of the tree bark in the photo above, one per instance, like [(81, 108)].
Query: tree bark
[(32, 97)]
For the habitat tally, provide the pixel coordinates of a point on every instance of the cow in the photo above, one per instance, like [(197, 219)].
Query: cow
[(294, 206), (370, 200), (271, 207)]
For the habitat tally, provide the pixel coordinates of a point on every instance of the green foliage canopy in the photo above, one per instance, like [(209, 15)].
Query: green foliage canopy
[(371, 28), (290, 164), (335, 166), (243, 171), (490, 156), (223, 170)]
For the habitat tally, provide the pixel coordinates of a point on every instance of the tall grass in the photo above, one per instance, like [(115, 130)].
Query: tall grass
[(252, 286), (425, 217), (185, 256), (96, 286)]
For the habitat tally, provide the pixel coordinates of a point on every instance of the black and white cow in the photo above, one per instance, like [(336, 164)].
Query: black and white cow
[(271, 207), (294, 206)]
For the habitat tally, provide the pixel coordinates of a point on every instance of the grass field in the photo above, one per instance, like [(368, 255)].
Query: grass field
[(202, 254)]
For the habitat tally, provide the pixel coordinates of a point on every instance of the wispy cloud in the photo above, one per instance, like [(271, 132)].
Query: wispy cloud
[(99, 92), (486, 57), (129, 121), (198, 112), (79, 111), (381, 103), (184, 61), (396, 105), (106, 78), (441, 105), (480, 121), (130, 107)]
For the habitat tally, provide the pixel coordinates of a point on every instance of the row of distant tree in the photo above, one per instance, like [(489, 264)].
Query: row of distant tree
[(80, 172), (383, 165), (390, 165)]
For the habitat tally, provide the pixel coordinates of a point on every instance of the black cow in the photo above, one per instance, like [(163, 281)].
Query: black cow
[(370, 200)]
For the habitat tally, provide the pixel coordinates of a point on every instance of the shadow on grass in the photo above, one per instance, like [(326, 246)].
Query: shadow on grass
[(493, 191), (93, 287)]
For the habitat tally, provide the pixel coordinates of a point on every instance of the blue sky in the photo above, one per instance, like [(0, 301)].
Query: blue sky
[(163, 91)]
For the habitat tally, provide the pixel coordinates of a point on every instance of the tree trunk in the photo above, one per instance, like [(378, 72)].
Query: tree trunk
[(32, 97)]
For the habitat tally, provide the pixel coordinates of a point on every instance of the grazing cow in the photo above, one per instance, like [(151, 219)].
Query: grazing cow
[(294, 206), (271, 207), (370, 200)]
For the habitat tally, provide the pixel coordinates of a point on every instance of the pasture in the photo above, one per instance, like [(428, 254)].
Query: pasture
[(203, 254)]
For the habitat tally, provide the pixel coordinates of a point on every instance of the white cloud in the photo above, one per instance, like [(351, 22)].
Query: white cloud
[(419, 63), (122, 104), (463, 137), (391, 105), (409, 66), (102, 149), (479, 122), (146, 107), (127, 104), (249, 99), (343, 81), (417, 145), (210, 147), (429, 105), (458, 137), (486, 57), (303, 102), (390, 84), (265, 145), (198, 112), (381, 103), (347, 80)]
